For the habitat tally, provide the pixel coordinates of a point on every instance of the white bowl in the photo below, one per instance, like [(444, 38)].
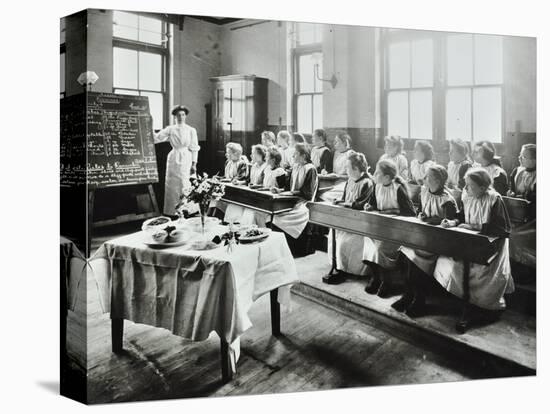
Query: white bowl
[(154, 224)]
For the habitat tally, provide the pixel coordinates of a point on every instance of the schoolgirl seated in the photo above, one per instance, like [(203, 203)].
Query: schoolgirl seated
[(268, 139), (436, 204), (393, 151), (258, 166), (485, 156), (423, 159), (349, 247), (302, 183), (390, 196), (235, 171), (342, 148), (236, 164), (285, 147), (484, 211), (459, 163), (321, 154), (275, 179), (523, 180)]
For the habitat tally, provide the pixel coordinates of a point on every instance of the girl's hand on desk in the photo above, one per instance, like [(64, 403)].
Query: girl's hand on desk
[(368, 207), (446, 223), (421, 216), (276, 190)]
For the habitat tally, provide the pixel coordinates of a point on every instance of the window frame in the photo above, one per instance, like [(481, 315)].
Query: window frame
[(63, 51), (439, 88), (163, 51)]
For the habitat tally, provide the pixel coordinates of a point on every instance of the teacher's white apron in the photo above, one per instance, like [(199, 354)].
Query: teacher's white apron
[(183, 139)]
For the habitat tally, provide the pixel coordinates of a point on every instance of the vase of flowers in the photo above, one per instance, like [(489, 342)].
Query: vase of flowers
[(201, 191)]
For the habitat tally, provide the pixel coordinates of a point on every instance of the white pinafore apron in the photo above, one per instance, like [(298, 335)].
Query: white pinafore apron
[(488, 284), (294, 222), (183, 139), (338, 167), (432, 205), (349, 246), (383, 253)]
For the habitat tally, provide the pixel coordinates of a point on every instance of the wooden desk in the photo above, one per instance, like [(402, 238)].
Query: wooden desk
[(523, 239), (260, 200), (467, 245)]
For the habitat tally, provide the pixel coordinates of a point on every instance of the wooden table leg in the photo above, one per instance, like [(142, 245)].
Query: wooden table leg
[(227, 370), (333, 268), (275, 312), (117, 332), (464, 321)]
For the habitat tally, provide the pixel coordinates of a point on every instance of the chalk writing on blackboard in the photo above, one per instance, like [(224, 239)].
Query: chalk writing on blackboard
[(106, 140)]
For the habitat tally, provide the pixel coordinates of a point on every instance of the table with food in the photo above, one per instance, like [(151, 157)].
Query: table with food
[(194, 279)]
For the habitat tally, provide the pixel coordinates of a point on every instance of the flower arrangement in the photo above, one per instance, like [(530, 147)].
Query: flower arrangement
[(201, 191)]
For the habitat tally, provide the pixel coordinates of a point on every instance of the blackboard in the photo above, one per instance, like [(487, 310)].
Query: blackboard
[(119, 147)]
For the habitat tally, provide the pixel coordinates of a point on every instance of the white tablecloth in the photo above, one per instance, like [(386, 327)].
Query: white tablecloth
[(192, 293), (73, 271)]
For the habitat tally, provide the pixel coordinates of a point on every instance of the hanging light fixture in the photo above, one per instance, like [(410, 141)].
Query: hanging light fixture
[(317, 60), (87, 78)]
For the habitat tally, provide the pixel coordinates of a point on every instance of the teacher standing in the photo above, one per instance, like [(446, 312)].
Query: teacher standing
[(182, 160)]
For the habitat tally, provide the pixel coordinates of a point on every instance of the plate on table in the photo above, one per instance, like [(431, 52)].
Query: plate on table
[(254, 235), (171, 237)]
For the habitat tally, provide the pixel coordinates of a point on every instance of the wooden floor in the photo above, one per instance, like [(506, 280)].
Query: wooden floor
[(321, 348)]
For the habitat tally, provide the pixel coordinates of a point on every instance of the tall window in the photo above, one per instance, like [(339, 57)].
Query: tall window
[(308, 68), (410, 88), (443, 86), (62, 58), (473, 98), (139, 60)]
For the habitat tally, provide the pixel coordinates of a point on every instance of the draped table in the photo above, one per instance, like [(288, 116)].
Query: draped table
[(194, 292)]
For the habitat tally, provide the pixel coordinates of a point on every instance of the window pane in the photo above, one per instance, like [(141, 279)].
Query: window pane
[(62, 31), (421, 114), (125, 66), (398, 113), (127, 91), (304, 114), (125, 25), (488, 58), (306, 73), (150, 71), (487, 114), (317, 111), (309, 33), (399, 62), (150, 30), (422, 63), (62, 73), (459, 115), (156, 107), (459, 60)]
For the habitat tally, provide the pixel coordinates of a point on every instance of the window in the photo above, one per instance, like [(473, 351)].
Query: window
[(139, 61), (473, 98), (410, 88), (62, 58), (308, 69), (62, 75), (143, 29), (443, 86)]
